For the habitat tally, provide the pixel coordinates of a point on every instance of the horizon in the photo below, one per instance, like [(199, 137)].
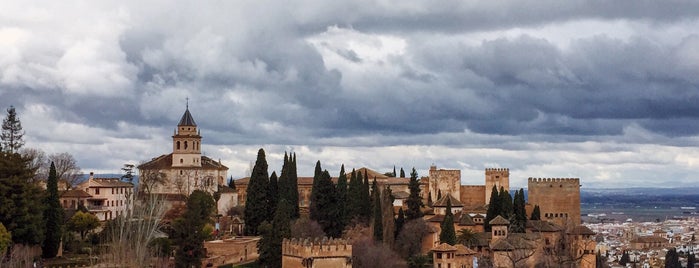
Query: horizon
[(603, 92)]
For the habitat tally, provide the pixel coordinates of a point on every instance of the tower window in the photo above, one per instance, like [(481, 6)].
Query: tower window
[(185, 145), (178, 145), (181, 161)]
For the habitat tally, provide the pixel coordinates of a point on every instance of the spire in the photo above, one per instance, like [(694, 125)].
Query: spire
[(187, 119)]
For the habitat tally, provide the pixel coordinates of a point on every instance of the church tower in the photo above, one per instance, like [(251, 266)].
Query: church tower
[(186, 143)]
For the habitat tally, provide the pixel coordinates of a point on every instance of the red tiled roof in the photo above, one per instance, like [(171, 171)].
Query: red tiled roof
[(165, 162), (74, 194)]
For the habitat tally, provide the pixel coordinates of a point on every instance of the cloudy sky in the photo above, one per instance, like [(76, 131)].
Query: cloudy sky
[(607, 91)]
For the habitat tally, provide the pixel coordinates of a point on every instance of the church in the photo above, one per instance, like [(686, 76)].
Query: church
[(177, 174)]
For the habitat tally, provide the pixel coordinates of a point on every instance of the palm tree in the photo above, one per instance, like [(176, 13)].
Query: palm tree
[(466, 237)]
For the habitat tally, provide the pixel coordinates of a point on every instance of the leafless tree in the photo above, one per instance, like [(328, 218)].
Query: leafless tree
[(39, 162), (366, 253), (67, 169), (568, 248), (306, 228), (409, 240), (519, 247), (150, 179)]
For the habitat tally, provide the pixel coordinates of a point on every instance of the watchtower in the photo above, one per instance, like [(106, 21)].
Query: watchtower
[(498, 177), (558, 199)]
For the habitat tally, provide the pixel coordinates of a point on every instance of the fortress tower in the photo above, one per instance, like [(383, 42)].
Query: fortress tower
[(558, 199), (444, 181), (326, 253), (498, 177)]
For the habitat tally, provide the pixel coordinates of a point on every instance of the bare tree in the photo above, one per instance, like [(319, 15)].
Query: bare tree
[(367, 253), (150, 179), (67, 169), (523, 246), (39, 162), (409, 240)]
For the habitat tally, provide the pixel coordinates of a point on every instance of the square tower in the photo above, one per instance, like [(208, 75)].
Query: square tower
[(498, 177)]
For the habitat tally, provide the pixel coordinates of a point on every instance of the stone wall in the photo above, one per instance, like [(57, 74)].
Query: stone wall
[(472, 195), (444, 181), (558, 199), (326, 253), (231, 251), (498, 177)]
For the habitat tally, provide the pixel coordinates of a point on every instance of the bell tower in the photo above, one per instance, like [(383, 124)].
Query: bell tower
[(186, 143)]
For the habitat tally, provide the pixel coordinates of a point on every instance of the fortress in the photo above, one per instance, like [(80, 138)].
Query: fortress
[(297, 253)]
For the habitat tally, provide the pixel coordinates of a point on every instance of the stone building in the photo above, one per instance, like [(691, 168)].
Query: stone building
[(106, 198), (558, 199), (177, 174), (321, 253)]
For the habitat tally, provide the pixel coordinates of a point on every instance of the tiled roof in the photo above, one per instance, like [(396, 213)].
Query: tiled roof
[(466, 220), (444, 247), (110, 183), (581, 230), (74, 194), (443, 202), (463, 250), (516, 241), (187, 119), (400, 194), (649, 239), (165, 162), (502, 245), (499, 220)]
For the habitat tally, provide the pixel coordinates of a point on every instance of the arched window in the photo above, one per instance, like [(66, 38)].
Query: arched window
[(185, 145), (178, 145)]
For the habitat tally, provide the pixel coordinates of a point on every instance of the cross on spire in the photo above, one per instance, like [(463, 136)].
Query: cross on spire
[(187, 98)]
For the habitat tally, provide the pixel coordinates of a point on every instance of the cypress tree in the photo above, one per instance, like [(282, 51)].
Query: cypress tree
[(691, 260), (342, 205), (256, 203), (536, 213), (400, 221), (188, 229), (394, 171), (324, 205), (519, 221), (270, 245), (378, 225), (231, 183), (672, 259), (402, 173), (448, 233), (12, 132), (414, 201), (283, 182), (387, 217), (53, 216), (506, 206), (314, 207), (366, 199), (293, 187), (272, 195), (354, 197), (493, 208)]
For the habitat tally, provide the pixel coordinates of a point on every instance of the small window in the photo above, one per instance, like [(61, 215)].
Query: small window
[(181, 161), (97, 190), (178, 145), (185, 145)]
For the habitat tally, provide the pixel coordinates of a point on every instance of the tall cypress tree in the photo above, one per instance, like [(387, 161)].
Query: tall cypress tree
[(272, 195), (536, 213), (21, 203), (366, 199), (342, 205), (257, 202), (402, 173), (400, 221), (448, 233), (324, 208), (53, 216), (12, 132), (313, 207), (378, 223), (283, 182), (354, 198), (519, 219), (387, 217), (493, 208), (506, 207), (188, 233), (294, 192), (414, 200), (270, 245)]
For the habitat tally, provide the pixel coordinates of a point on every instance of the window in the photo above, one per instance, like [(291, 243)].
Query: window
[(97, 190), (185, 145), (112, 190), (178, 145), (439, 255)]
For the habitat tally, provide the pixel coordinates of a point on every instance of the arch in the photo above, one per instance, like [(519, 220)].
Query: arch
[(185, 145), (178, 145)]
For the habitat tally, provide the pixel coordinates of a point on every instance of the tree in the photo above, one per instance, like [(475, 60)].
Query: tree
[(294, 192), (672, 259), (466, 237), (341, 191), (506, 206), (355, 197), (366, 199), (53, 216), (323, 208), (414, 201), (377, 225), (691, 259), (306, 228), (128, 172), (150, 179), (400, 221), (409, 241), (536, 213), (231, 183), (82, 223), (626, 259), (38, 162), (518, 223), (12, 133), (188, 230), (256, 203), (272, 194), (67, 169), (21, 203), (270, 245), (5, 240), (402, 173), (366, 253), (387, 217), (448, 234), (493, 208)]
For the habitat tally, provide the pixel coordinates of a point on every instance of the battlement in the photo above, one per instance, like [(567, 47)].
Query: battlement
[(472, 186), (317, 247), (497, 169), (571, 181)]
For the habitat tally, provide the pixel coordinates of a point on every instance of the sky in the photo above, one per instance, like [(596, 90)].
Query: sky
[(604, 91)]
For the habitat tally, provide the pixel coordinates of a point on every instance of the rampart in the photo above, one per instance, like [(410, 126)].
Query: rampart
[(331, 253), (558, 198), (498, 177), (472, 195)]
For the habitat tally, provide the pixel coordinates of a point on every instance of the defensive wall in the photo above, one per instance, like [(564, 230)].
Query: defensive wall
[(472, 195), (498, 177), (330, 253), (558, 198)]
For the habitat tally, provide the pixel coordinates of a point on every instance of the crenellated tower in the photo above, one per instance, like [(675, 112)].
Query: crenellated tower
[(186, 143), (558, 199), (498, 177)]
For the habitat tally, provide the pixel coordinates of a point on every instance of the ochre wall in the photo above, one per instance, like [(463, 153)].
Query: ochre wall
[(558, 199), (472, 195)]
